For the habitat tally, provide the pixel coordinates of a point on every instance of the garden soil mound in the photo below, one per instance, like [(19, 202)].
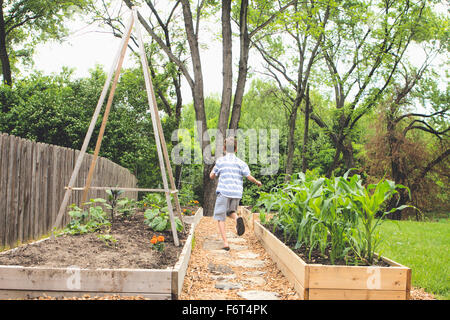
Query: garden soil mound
[(132, 249)]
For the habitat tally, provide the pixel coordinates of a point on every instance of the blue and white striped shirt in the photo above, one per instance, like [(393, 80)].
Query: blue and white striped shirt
[(230, 170)]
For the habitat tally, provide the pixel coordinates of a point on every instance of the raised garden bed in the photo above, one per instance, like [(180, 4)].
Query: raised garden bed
[(332, 282), (126, 268)]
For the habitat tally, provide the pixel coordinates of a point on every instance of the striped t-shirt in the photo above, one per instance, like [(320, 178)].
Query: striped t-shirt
[(230, 170)]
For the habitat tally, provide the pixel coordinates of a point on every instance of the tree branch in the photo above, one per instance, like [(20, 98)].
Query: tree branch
[(163, 46)]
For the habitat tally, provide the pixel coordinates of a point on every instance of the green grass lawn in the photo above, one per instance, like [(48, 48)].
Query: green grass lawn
[(423, 247)]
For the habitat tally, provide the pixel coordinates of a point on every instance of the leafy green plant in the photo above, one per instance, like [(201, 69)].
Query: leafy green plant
[(158, 220), (126, 206), (113, 199), (108, 239), (85, 221), (152, 200)]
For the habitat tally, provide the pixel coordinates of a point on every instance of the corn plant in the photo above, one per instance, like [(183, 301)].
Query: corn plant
[(337, 213), (368, 203)]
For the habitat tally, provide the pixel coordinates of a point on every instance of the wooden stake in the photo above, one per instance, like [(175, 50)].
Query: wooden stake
[(156, 130), (165, 153), (120, 188), (87, 138), (105, 118)]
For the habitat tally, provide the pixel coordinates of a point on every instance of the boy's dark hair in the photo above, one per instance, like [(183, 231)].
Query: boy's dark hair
[(230, 144)]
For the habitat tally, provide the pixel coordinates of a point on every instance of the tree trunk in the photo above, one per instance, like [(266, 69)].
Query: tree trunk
[(335, 162), (4, 58), (227, 72), (209, 191), (306, 131), (347, 154), (243, 66), (290, 142)]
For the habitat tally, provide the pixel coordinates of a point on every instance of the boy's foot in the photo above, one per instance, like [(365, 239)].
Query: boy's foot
[(226, 248), (240, 227)]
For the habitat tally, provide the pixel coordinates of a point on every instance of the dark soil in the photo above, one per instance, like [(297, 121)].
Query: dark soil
[(317, 257), (132, 249)]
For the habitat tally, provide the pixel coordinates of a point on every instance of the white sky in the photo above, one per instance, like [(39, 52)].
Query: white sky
[(87, 46)]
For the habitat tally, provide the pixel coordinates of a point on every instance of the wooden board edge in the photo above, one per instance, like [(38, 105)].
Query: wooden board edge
[(355, 294), (11, 294), (180, 268), (408, 284), (358, 277)]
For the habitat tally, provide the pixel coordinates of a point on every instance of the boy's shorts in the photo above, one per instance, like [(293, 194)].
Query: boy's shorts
[(224, 207)]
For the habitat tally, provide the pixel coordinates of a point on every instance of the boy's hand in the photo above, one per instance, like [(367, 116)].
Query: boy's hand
[(252, 179)]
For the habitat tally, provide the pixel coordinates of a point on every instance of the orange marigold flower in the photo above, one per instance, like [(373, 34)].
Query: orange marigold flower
[(160, 238), (154, 240)]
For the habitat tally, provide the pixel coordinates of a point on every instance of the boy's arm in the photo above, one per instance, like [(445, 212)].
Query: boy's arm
[(252, 179), (212, 175)]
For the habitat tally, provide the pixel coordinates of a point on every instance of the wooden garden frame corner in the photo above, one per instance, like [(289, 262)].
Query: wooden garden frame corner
[(161, 146)]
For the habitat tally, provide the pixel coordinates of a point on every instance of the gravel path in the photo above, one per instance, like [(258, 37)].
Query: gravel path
[(244, 272)]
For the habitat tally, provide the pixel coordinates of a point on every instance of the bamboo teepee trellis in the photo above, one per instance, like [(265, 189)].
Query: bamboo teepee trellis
[(157, 130)]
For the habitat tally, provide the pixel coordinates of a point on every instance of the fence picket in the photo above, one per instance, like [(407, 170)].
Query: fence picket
[(32, 180)]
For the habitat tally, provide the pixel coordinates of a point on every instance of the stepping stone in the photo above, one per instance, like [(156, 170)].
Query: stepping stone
[(237, 240), (223, 277), (213, 245), (258, 281), (216, 236), (225, 285), (221, 252), (245, 263), (255, 273), (219, 268), (259, 295), (247, 255), (218, 245), (238, 247)]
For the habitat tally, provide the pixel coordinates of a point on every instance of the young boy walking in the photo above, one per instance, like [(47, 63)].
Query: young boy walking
[(230, 170)]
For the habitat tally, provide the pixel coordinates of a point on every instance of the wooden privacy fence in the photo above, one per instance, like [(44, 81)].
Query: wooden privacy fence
[(32, 180)]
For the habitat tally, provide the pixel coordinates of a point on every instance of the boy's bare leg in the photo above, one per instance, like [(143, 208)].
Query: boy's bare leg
[(234, 216), (223, 233)]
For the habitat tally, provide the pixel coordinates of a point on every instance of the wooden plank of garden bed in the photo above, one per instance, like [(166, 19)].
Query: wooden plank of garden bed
[(353, 277), (21, 294), (97, 280), (180, 268), (341, 294), (287, 261)]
